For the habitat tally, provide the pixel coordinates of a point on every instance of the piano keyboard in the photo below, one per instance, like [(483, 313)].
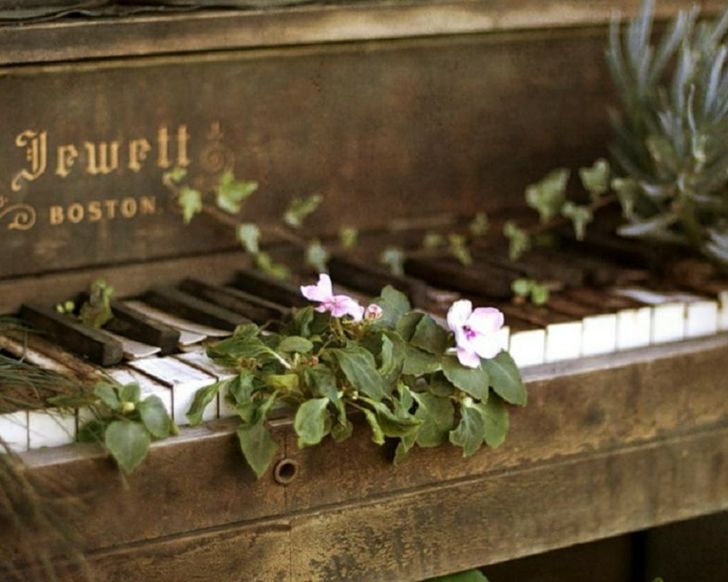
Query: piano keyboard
[(158, 340)]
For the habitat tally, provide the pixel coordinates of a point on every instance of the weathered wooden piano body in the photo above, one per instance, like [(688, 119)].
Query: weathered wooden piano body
[(393, 110)]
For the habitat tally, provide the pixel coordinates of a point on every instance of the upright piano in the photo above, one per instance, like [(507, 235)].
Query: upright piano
[(405, 116)]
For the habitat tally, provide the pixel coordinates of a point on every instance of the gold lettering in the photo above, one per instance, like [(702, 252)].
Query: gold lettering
[(183, 137), (110, 208), (36, 152), (56, 215), (148, 205), (138, 150), (163, 143), (128, 207), (108, 157), (67, 155), (94, 211), (75, 213)]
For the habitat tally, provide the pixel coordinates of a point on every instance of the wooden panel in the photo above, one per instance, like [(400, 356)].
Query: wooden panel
[(451, 526), (198, 482), (348, 21), (495, 112)]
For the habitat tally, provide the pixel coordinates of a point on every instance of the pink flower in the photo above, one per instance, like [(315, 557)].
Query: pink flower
[(475, 331), (336, 305), (373, 312)]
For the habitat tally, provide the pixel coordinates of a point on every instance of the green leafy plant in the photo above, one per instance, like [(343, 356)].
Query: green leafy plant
[(670, 130), (531, 290), (393, 366), (96, 310), (124, 423)]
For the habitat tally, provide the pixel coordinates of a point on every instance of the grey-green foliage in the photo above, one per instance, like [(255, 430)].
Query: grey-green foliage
[(671, 129)]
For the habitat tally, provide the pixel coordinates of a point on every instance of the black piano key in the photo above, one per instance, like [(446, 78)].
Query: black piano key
[(137, 326), (85, 341), (372, 279), (275, 290), (536, 266), (482, 280), (641, 255), (597, 271), (194, 309), (256, 309)]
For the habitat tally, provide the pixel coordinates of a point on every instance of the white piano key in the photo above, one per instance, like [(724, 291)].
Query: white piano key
[(201, 361), (723, 310), (147, 387), (14, 430), (563, 341), (184, 381), (599, 334), (527, 347), (634, 328), (133, 349), (668, 313), (177, 322), (503, 335), (24, 352), (50, 427), (701, 317)]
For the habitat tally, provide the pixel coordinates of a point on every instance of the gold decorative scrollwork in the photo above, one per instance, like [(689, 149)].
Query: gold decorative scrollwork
[(215, 159), (22, 216)]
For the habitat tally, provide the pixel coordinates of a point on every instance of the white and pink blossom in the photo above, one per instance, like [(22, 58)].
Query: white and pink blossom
[(336, 305), (476, 331), (373, 312)]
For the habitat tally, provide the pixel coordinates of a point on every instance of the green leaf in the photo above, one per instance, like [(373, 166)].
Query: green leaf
[(190, 201), (128, 442), (96, 311), (155, 417), (392, 357), (240, 388), (377, 433), (360, 369), (249, 236), (301, 208), (407, 324), (393, 259), (432, 241), (258, 445), (295, 343), (403, 447), (270, 267), (231, 193), (437, 415), (539, 293), (467, 576), (322, 382), (91, 432), (418, 362), (495, 417), (595, 179), (348, 237), (458, 246), (521, 287), (130, 393), (479, 225), (548, 195), (580, 217), (506, 379), (107, 394), (394, 305), (519, 241), (175, 175), (317, 256), (284, 382), (441, 386), (470, 431), (203, 397), (429, 336), (395, 425), (473, 381), (342, 428), (310, 421)]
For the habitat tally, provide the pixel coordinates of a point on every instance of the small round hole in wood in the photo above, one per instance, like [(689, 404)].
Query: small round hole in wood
[(286, 471)]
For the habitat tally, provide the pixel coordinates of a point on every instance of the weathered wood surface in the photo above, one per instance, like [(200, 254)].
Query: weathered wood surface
[(605, 446), (355, 21)]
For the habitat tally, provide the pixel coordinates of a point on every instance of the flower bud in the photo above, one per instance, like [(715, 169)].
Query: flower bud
[(127, 407), (373, 312)]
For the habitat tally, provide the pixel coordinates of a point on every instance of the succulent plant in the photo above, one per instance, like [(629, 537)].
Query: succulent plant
[(671, 130)]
